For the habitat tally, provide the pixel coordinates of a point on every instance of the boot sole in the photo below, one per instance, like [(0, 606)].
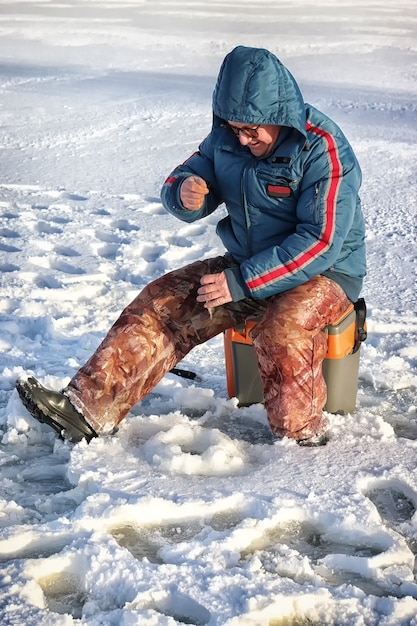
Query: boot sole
[(314, 442)]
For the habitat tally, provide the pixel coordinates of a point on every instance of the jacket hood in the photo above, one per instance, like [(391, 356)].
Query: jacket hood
[(254, 87)]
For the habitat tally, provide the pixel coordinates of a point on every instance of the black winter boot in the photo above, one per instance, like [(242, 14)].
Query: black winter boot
[(54, 408)]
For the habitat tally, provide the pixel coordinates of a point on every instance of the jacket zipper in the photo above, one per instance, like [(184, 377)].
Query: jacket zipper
[(317, 189), (245, 208)]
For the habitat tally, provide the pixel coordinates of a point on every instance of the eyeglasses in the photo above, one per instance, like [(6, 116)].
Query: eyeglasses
[(247, 131)]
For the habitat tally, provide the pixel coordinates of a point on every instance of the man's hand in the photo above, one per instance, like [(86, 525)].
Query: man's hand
[(192, 192), (214, 290)]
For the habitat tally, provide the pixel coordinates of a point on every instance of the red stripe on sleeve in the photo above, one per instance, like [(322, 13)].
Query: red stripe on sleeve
[(170, 180), (318, 247)]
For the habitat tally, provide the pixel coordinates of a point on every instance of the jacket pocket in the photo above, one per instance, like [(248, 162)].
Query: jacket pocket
[(277, 184), (278, 191)]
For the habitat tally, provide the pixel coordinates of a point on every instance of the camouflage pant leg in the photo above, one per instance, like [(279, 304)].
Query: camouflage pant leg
[(290, 348), (162, 324)]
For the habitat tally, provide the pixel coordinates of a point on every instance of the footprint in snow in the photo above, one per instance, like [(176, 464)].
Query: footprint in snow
[(9, 234), (397, 505), (7, 248), (396, 407), (66, 268), (47, 282), (67, 195), (47, 228), (64, 591), (57, 264), (8, 267), (110, 237), (283, 549), (109, 251), (124, 225), (102, 212), (151, 253), (66, 251), (57, 219), (193, 230), (147, 541), (65, 594), (179, 241), (155, 208), (392, 503)]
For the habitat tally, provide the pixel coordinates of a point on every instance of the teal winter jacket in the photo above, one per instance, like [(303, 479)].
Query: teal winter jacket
[(291, 215)]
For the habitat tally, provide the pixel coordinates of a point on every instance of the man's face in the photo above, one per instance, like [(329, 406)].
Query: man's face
[(259, 139)]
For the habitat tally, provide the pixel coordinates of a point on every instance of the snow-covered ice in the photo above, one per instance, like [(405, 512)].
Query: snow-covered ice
[(192, 513)]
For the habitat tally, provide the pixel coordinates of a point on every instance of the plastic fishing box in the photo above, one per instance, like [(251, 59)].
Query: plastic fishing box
[(340, 367)]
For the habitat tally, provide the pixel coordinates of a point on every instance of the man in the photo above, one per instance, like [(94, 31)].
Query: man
[(294, 236)]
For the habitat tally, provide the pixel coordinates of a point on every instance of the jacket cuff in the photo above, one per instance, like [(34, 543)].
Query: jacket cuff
[(237, 286)]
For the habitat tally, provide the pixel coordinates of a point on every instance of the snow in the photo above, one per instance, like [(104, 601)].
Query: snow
[(192, 513)]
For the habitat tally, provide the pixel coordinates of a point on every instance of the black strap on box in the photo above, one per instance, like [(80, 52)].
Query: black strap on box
[(361, 333), (185, 374)]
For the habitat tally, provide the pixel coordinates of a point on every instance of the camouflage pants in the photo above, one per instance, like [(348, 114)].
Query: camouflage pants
[(164, 322)]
